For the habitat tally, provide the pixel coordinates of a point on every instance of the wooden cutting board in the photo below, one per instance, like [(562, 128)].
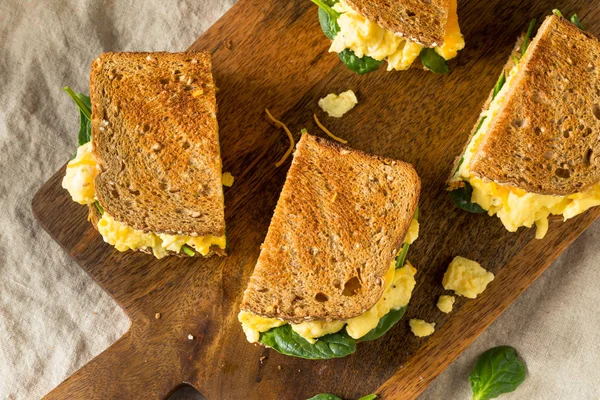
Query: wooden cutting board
[(272, 54)]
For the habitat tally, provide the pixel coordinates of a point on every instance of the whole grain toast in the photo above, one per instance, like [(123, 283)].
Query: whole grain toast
[(455, 182), (423, 22), (155, 136), (546, 136), (340, 221)]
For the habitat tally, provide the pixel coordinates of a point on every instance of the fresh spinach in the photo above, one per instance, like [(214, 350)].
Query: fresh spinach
[(501, 81), (360, 65), (85, 115), (462, 198), (528, 37), (385, 324), (285, 341), (499, 370), (575, 20), (556, 11), (188, 250), (433, 61), (99, 207), (328, 18), (402, 256), (328, 396), (325, 396)]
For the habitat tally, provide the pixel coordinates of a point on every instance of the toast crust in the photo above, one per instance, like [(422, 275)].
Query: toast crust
[(340, 220), (416, 20), (545, 138), (155, 136)]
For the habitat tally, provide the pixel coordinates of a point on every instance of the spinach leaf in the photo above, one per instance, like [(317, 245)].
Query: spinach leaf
[(385, 324), (285, 341), (499, 370), (402, 256), (433, 61), (527, 37), (369, 397), (188, 250), (575, 20), (501, 81), (99, 207), (85, 115), (325, 396), (360, 65), (556, 11), (462, 198), (328, 18)]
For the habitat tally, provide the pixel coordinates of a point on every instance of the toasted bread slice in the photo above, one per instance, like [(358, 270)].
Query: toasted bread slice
[(423, 22), (340, 221), (154, 133), (545, 138)]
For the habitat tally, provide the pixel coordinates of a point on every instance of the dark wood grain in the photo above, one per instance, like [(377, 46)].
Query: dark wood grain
[(272, 54)]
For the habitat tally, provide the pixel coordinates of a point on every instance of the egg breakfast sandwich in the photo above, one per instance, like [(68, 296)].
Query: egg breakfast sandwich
[(534, 151), (367, 33), (332, 270), (149, 164)]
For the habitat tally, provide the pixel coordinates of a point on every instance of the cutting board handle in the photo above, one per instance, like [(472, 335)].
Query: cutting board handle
[(104, 377)]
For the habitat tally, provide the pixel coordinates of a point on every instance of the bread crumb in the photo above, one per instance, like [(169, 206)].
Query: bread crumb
[(227, 179), (190, 337), (157, 315), (228, 44), (262, 359), (279, 367)]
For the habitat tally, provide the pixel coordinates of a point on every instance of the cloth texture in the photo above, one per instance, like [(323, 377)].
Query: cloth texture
[(54, 318)]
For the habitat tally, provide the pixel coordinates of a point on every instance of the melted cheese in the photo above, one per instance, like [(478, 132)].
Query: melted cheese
[(336, 106), (445, 303), (79, 181), (124, 237), (515, 207), (366, 38), (466, 277), (80, 175), (399, 284), (421, 328)]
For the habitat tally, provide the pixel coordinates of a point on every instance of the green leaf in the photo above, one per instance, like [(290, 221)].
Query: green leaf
[(462, 198), (369, 397), (328, 23), (556, 11), (188, 250), (99, 207), (434, 62), (501, 81), (575, 20), (385, 324), (528, 37), (499, 370), (285, 341), (360, 65), (85, 115), (325, 396), (401, 258)]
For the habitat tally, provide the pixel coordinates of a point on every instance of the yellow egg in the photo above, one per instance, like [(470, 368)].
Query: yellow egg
[(466, 277)]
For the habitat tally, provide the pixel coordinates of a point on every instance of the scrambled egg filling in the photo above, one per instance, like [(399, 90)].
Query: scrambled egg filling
[(399, 284), (336, 106), (466, 277), (80, 175), (516, 207), (366, 38), (445, 303), (79, 181), (421, 328), (227, 179)]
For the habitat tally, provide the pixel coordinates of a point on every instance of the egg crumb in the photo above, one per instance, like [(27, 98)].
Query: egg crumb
[(466, 277), (227, 179), (421, 328), (445, 303), (336, 106)]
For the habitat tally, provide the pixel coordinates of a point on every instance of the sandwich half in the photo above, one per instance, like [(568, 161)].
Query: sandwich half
[(534, 151), (332, 270), (367, 33), (149, 167)]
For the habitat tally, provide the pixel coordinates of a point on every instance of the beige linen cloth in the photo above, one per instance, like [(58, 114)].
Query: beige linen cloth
[(53, 318)]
